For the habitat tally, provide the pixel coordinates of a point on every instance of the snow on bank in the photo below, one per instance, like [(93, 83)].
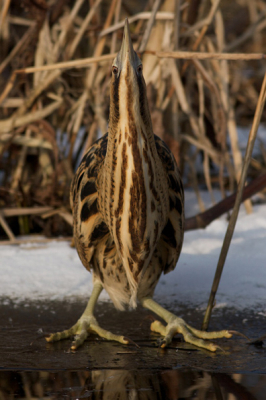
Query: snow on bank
[(243, 282), (54, 271)]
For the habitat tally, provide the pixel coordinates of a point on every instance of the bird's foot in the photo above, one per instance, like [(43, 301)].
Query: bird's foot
[(191, 335), (82, 329)]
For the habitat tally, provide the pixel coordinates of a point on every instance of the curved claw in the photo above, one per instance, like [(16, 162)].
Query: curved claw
[(130, 341), (239, 334)]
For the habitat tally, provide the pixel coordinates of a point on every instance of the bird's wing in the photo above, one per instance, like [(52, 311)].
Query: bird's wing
[(172, 235), (89, 227)]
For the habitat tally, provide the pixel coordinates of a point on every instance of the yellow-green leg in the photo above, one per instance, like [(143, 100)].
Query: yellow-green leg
[(86, 324), (178, 325)]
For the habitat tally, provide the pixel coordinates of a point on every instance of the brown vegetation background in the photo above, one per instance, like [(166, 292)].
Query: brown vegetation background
[(51, 114)]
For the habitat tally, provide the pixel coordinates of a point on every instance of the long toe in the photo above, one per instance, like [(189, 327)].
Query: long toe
[(81, 331), (190, 338), (55, 337), (210, 335), (178, 325), (108, 335), (190, 334)]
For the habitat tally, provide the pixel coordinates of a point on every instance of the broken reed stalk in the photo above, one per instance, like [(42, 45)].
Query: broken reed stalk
[(160, 15), (207, 56), (84, 62), (233, 219), (150, 23), (81, 63), (6, 228)]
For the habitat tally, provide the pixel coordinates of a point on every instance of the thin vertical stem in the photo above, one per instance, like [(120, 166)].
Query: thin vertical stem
[(114, 36), (149, 26), (233, 219)]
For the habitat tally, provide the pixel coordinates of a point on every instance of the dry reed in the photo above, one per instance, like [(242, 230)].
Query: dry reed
[(54, 94), (233, 218)]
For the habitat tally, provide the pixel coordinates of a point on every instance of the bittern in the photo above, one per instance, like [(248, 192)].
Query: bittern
[(128, 208)]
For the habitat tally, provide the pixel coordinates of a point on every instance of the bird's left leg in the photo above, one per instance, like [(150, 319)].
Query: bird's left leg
[(178, 325), (86, 324)]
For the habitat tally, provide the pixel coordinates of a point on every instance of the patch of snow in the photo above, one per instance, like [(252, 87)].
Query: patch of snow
[(243, 282), (43, 271), (53, 271)]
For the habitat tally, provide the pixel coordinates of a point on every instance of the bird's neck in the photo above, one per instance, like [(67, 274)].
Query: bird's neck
[(133, 188), (130, 164), (131, 158)]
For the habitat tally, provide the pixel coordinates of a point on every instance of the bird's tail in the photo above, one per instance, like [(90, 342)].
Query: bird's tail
[(133, 286), (133, 299)]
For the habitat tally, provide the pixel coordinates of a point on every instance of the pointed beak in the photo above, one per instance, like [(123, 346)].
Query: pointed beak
[(127, 49), (127, 46)]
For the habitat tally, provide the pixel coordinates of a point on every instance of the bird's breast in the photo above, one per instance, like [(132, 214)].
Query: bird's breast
[(136, 190)]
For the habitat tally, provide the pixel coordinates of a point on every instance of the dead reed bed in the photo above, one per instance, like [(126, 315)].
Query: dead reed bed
[(203, 63)]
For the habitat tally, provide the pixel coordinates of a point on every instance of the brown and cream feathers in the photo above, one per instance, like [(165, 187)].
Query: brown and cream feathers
[(127, 195)]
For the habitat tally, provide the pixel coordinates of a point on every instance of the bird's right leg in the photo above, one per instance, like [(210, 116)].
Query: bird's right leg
[(178, 325), (87, 323)]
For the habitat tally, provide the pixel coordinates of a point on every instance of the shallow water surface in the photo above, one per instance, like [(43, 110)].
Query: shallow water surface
[(31, 368), (122, 384)]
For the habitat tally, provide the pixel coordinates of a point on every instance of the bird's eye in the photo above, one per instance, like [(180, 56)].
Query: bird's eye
[(139, 69), (115, 70)]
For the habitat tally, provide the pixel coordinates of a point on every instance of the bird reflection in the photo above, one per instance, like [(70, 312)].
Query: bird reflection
[(167, 385), (131, 385), (124, 385)]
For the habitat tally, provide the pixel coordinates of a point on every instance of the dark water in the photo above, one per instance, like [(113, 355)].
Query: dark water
[(122, 384), (30, 368)]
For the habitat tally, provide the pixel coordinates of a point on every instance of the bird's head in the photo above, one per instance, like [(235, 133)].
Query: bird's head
[(128, 89)]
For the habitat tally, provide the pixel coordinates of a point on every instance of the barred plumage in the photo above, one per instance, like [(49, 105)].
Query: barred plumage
[(96, 245), (128, 207)]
